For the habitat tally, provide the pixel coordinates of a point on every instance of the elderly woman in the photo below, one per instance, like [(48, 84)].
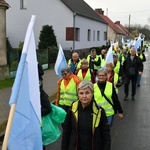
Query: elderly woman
[(85, 73), (86, 126), (67, 89), (111, 75), (106, 96)]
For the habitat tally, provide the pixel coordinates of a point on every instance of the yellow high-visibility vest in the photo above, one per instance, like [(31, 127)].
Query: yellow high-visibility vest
[(117, 67), (87, 76), (96, 114), (116, 79), (101, 101), (102, 61), (96, 59), (78, 65), (68, 94)]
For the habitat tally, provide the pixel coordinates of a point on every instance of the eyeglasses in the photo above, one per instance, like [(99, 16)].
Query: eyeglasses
[(64, 74), (101, 75)]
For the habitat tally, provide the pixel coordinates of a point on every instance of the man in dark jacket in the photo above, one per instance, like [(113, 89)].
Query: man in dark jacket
[(132, 66), (94, 61)]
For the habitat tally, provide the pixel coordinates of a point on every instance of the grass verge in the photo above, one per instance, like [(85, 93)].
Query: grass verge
[(6, 83)]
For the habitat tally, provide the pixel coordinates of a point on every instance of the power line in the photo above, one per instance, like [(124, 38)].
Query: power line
[(131, 11)]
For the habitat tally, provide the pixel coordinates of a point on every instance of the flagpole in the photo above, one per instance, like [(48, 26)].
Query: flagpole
[(20, 66), (8, 128)]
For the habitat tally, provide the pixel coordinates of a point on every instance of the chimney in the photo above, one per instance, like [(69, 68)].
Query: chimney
[(100, 11), (117, 22)]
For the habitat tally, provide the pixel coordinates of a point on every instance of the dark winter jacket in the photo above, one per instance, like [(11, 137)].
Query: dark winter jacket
[(45, 104), (78, 133), (132, 67)]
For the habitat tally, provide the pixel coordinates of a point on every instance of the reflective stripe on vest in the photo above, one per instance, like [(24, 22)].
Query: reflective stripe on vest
[(101, 101), (87, 75), (96, 114), (68, 94)]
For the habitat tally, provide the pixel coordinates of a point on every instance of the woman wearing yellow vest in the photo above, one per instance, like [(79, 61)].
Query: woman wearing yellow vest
[(117, 64), (85, 73), (86, 126), (106, 96), (111, 75), (67, 89)]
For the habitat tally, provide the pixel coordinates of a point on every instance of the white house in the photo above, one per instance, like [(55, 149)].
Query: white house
[(75, 23)]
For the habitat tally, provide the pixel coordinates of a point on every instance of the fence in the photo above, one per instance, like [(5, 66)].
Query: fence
[(45, 57)]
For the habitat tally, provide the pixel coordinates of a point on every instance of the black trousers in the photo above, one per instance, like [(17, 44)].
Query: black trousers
[(66, 108), (127, 79)]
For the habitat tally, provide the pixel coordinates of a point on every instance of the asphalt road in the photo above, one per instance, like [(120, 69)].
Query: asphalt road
[(133, 132)]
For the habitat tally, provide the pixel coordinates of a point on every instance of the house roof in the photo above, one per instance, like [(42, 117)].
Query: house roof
[(4, 4), (112, 24), (81, 8), (123, 28)]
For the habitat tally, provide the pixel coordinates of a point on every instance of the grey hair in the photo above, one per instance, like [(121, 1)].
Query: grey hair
[(86, 84), (65, 69), (102, 70)]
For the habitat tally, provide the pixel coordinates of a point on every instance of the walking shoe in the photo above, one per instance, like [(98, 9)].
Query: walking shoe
[(126, 98)]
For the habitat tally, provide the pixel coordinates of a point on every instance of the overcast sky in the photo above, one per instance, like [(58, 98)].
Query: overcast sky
[(119, 10)]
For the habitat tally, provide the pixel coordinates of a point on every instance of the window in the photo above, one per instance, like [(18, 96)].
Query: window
[(70, 34), (94, 35), (77, 34), (89, 35), (23, 4), (105, 36), (98, 35)]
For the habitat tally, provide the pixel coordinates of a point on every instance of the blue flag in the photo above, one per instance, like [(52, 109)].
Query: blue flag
[(109, 56), (25, 132), (138, 42), (60, 62), (123, 42)]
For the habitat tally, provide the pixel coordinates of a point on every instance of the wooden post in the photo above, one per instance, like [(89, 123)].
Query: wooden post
[(8, 128)]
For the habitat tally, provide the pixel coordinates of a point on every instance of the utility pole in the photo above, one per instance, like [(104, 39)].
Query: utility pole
[(129, 21), (107, 12), (74, 30)]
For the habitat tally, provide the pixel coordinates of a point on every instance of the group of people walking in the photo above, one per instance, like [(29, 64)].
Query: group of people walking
[(88, 92)]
